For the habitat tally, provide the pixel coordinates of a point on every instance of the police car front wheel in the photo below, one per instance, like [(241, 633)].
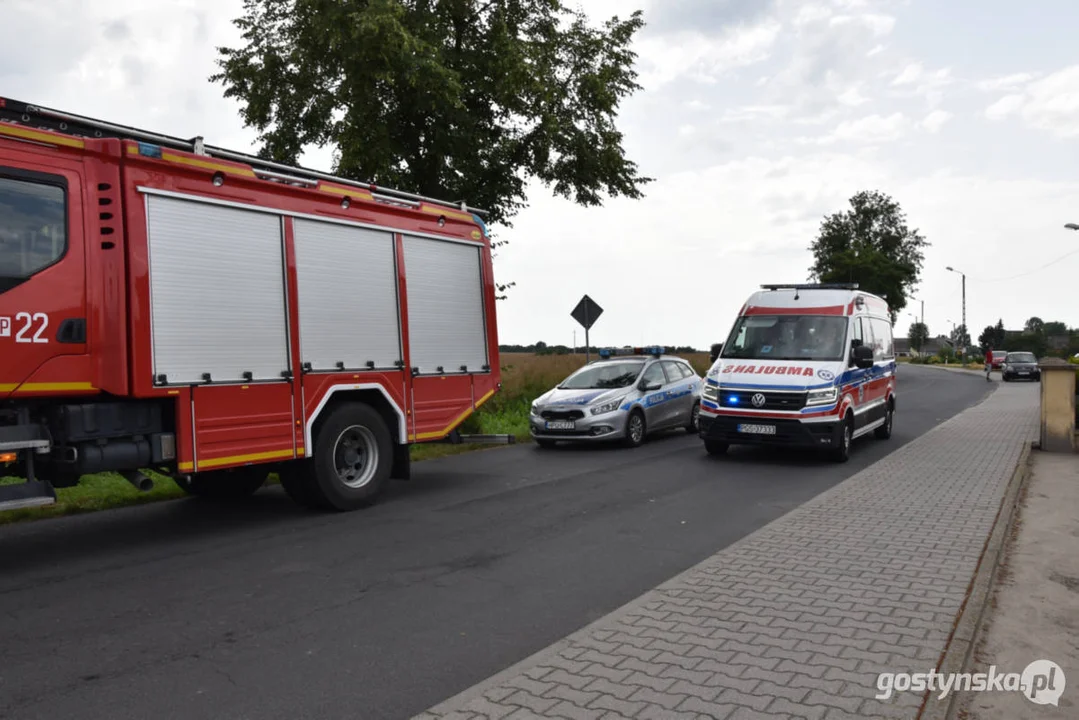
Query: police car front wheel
[(635, 429)]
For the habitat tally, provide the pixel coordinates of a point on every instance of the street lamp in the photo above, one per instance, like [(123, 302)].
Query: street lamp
[(922, 321), (964, 296)]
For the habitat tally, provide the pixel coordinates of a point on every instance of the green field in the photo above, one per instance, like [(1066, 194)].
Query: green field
[(524, 377)]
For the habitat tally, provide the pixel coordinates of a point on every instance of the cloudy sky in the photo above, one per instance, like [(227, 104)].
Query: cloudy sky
[(757, 118)]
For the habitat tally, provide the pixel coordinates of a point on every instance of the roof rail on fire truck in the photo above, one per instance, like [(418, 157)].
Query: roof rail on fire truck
[(43, 118)]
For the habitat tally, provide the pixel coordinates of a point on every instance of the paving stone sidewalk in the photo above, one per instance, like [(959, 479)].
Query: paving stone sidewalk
[(797, 619)]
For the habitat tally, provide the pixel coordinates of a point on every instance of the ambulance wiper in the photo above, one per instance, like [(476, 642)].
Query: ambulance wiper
[(795, 357)]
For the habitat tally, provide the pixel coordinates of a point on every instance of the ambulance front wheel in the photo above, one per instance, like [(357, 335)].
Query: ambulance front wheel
[(885, 431), (841, 453), (353, 458)]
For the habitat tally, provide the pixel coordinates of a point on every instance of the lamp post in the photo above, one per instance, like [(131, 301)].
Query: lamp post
[(963, 275), (922, 320)]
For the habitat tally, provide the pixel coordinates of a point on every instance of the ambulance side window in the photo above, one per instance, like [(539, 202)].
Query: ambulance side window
[(869, 336), (882, 333)]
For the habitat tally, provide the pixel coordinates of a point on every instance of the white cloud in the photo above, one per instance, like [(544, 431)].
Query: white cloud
[(1050, 104), (871, 129), (1004, 107), (852, 97), (935, 120), (702, 57), (910, 74), (1006, 82)]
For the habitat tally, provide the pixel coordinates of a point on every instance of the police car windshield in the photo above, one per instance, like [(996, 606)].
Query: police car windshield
[(787, 337), (604, 375)]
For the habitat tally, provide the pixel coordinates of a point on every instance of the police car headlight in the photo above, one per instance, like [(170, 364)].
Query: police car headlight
[(535, 410), (710, 392), (822, 397), (609, 406)]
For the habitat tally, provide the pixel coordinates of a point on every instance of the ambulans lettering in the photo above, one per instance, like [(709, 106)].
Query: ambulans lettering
[(27, 327), (768, 370)]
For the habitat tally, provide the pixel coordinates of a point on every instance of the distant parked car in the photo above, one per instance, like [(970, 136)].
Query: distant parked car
[(998, 358), (1020, 366)]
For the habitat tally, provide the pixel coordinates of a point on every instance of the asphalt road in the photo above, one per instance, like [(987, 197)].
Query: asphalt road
[(183, 610)]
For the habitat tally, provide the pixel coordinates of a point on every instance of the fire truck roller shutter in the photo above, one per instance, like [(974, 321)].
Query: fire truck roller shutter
[(347, 280), (217, 292), (445, 305)]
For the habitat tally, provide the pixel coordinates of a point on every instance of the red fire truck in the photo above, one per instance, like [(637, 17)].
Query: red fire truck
[(173, 307)]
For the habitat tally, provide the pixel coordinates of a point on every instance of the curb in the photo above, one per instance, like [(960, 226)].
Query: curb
[(959, 648)]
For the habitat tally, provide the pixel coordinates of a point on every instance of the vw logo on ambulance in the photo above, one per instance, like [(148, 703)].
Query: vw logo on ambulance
[(810, 365)]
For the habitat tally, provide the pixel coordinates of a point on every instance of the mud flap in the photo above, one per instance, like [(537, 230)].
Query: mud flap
[(402, 462)]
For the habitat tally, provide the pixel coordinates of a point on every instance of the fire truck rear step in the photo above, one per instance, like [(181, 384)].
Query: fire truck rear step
[(26, 495)]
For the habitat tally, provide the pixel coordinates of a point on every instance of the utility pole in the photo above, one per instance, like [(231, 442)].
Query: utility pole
[(964, 276)]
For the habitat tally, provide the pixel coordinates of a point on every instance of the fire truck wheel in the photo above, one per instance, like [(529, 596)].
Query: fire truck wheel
[(228, 484), (353, 458)]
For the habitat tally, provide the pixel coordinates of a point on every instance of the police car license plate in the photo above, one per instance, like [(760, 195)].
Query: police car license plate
[(758, 429), (560, 425)]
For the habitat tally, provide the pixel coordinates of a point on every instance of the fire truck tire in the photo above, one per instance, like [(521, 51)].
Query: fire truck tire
[(295, 479), (353, 458), (228, 484)]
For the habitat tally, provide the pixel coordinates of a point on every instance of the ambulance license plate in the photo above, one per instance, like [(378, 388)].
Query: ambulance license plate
[(757, 429), (561, 425)]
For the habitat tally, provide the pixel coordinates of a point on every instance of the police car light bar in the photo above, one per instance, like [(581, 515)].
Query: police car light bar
[(811, 286), (655, 350)]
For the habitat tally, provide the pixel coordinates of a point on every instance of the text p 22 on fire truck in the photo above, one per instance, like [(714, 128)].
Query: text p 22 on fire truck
[(173, 307)]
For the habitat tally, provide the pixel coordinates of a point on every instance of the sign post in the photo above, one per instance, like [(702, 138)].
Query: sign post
[(586, 313)]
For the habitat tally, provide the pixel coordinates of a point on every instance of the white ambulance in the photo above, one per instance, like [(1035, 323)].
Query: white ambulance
[(804, 365)]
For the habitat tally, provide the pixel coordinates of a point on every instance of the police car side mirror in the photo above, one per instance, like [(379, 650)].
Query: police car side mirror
[(863, 356), (646, 386)]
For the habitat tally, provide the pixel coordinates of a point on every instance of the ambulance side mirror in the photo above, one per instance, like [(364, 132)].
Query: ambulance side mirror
[(862, 356), (717, 348)]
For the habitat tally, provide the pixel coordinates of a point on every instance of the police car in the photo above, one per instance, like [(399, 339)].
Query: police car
[(626, 395)]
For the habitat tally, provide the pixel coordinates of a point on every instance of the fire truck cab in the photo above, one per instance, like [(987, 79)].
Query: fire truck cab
[(804, 365), (215, 317)]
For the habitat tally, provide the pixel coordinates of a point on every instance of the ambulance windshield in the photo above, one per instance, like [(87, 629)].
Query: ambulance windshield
[(32, 228), (788, 337)]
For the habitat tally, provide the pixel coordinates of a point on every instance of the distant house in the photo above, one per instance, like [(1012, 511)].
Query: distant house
[(902, 347), (935, 345)]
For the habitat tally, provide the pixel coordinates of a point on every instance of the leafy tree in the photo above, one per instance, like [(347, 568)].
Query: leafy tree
[(1035, 326), (987, 340), (918, 335), (1055, 328), (456, 99), (960, 336), (1000, 334), (870, 244)]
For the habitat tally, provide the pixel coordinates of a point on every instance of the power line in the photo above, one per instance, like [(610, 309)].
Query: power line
[(1030, 272)]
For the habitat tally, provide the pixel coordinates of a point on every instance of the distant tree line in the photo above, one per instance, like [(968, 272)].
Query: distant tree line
[(1044, 339)]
